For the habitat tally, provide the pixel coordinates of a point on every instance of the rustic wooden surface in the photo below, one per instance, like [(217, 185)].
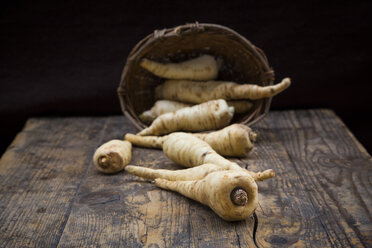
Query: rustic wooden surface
[(52, 196)]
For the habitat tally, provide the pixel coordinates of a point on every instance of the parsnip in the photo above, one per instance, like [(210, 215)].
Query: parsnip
[(234, 140), (202, 68), (189, 151), (229, 190), (197, 92), (161, 107), (193, 173), (165, 106), (233, 195), (113, 156), (146, 141), (240, 106), (210, 115)]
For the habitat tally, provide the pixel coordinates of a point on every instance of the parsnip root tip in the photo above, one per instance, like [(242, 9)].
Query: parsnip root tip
[(146, 116), (144, 62), (286, 82), (231, 110), (161, 183), (129, 168), (267, 174), (253, 136), (271, 173), (133, 169), (278, 88)]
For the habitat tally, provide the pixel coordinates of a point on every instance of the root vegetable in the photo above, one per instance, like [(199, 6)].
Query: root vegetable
[(113, 156), (165, 106), (233, 195), (260, 176), (229, 190), (240, 106), (210, 115), (188, 150), (202, 68), (146, 141), (161, 107), (234, 140), (197, 92), (194, 173)]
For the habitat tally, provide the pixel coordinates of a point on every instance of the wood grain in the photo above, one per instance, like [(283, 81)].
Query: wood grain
[(125, 211), (319, 197), (51, 194), (39, 177)]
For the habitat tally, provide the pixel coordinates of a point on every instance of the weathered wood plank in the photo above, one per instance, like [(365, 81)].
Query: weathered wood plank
[(281, 198), (321, 196), (125, 211), (319, 193), (39, 176)]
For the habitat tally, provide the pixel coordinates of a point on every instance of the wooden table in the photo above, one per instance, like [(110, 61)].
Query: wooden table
[(51, 195)]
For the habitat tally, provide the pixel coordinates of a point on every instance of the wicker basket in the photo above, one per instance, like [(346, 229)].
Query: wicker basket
[(242, 63)]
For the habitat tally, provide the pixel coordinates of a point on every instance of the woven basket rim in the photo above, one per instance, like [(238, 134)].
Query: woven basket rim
[(254, 117)]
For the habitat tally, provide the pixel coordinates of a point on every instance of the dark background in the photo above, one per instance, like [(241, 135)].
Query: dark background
[(65, 58)]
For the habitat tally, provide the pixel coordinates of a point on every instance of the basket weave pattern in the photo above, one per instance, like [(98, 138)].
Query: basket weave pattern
[(242, 62)]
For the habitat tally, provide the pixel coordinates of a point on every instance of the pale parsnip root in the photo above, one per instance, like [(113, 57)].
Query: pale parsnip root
[(146, 141), (202, 68), (234, 140), (229, 190), (165, 106), (210, 115), (260, 176), (197, 92), (193, 173), (161, 107), (240, 106), (233, 195), (189, 151), (113, 156)]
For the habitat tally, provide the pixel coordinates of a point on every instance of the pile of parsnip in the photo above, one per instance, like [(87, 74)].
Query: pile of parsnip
[(189, 100)]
